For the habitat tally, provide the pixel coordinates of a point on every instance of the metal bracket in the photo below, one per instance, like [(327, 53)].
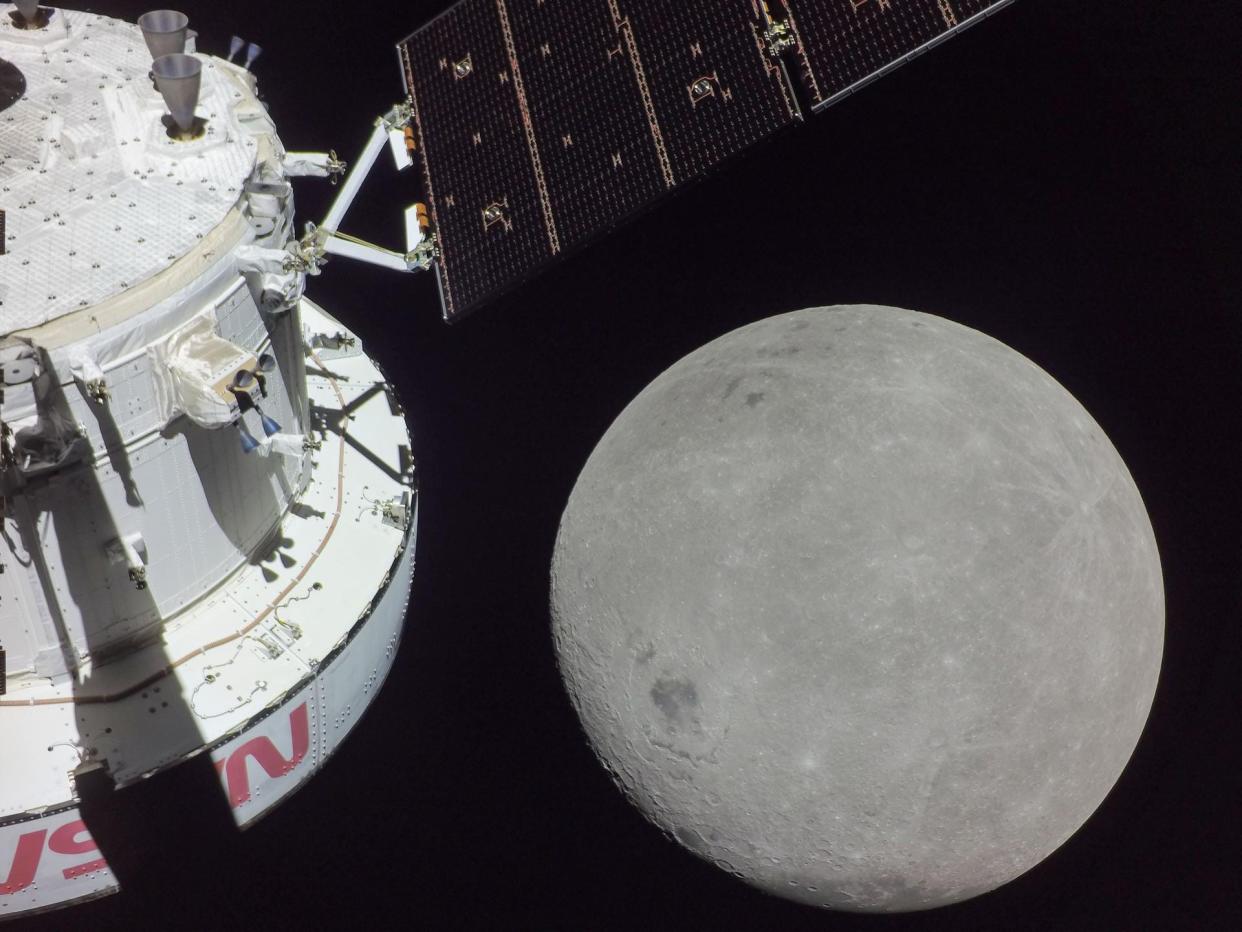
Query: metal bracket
[(132, 551), (778, 38), (318, 241), (97, 391), (336, 167), (397, 513)]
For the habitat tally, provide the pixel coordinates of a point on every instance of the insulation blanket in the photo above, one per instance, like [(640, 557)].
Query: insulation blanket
[(192, 368)]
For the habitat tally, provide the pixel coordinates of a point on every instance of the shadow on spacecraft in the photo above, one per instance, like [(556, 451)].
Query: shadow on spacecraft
[(209, 495)]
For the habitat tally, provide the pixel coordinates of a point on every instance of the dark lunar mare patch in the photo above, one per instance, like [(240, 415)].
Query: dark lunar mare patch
[(676, 699), (12, 84)]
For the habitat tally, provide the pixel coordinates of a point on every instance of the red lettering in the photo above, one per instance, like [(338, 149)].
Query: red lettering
[(25, 863), (65, 840), (237, 778)]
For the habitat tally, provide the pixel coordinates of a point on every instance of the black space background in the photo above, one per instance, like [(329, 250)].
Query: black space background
[(1064, 177)]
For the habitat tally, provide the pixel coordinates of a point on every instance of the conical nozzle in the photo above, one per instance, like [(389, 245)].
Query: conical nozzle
[(164, 31), (28, 9), (248, 443), (178, 77), (271, 426)]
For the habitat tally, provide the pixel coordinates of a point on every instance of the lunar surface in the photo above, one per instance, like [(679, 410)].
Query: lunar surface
[(861, 605)]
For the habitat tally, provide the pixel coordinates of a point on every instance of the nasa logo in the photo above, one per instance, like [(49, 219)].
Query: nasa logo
[(234, 773), (72, 838)]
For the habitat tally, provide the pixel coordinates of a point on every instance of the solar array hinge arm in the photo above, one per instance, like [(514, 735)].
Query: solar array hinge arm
[(327, 238)]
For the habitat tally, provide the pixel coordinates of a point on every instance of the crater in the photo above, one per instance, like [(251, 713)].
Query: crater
[(677, 701)]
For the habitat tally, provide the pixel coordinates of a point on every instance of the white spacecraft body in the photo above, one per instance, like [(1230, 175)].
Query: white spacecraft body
[(174, 580)]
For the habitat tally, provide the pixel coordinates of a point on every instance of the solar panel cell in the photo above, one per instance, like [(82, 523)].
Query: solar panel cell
[(543, 124), (845, 43), (483, 194)]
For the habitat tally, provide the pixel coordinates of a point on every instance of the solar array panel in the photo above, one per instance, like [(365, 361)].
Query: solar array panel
[(542, 124), (843, 44)]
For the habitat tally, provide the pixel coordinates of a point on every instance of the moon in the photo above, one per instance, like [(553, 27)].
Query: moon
[(861, 605)]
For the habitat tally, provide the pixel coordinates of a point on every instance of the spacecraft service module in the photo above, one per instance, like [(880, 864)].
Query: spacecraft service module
[(209, 494)]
